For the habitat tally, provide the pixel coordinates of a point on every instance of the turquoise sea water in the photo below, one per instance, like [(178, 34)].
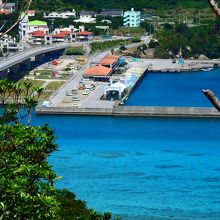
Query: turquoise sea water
[(175, 89), (140, 168)]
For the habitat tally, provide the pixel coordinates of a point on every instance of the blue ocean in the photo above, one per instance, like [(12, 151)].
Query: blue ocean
[(145, 168), (175, 89), (140, 168)]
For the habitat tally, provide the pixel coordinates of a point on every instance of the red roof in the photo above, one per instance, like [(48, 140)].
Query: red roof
[(31, 11), (62, 34), (109, 60), (38, 34), (5, 12), (84, 33), (98, 71)]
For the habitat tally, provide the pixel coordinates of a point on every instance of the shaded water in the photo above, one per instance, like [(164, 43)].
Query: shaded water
[(175, 89), (140, 167)]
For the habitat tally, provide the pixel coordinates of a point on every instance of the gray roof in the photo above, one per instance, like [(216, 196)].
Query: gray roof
[(9, 4), (111, 12), (84, 12)]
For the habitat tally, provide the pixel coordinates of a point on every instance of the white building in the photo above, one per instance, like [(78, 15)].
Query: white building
[(63, 15), (86, 17), (7, 8), (59, 35), (132, 18), (71, 29), (26, 27), (10, 45)]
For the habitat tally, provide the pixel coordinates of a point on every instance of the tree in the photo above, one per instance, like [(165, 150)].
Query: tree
[(168, 26), (26, 179), (148, 27)]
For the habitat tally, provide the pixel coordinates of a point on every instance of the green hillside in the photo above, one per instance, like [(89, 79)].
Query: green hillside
[(125, 4)]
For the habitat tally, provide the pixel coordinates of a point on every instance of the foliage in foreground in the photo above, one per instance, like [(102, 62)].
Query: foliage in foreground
[(26, 178)]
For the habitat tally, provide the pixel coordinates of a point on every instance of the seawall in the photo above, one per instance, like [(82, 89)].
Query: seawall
[(139, 111)]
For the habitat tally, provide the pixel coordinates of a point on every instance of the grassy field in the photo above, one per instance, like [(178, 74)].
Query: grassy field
[(54, 85)]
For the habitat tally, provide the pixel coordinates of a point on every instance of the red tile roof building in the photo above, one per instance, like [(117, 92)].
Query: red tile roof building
[(109, 61), (97, 71)]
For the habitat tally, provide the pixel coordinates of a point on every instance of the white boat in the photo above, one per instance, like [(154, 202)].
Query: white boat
[(207, 69)]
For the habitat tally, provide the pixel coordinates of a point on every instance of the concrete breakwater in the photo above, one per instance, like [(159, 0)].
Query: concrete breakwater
[(166, 65), (133, 111)]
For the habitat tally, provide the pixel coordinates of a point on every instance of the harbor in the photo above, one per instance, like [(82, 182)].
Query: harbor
[(106, 95)]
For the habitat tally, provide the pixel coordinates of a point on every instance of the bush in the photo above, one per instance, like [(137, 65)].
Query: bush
[(122, 48), (74, 51), (168, 26), (130, 31), (135, 39), (72, 208), (95, 46), (153, 43)]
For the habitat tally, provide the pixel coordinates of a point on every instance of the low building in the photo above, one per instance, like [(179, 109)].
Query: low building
[(98, 73), (10, 45), (110, 61), (71, 29), (115, 91), (51, 15), (86, 17), (39, 38), (63, 15), (7, 8), (84, 35), (111, 12), (85, 13), (64, 37), (132, 18), (26, 27)]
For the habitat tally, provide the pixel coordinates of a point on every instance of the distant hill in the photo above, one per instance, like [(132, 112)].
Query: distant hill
[(96, 5)]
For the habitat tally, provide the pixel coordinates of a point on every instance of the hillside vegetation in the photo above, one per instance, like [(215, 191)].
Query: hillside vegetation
[(193, 41), (96, 5)]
